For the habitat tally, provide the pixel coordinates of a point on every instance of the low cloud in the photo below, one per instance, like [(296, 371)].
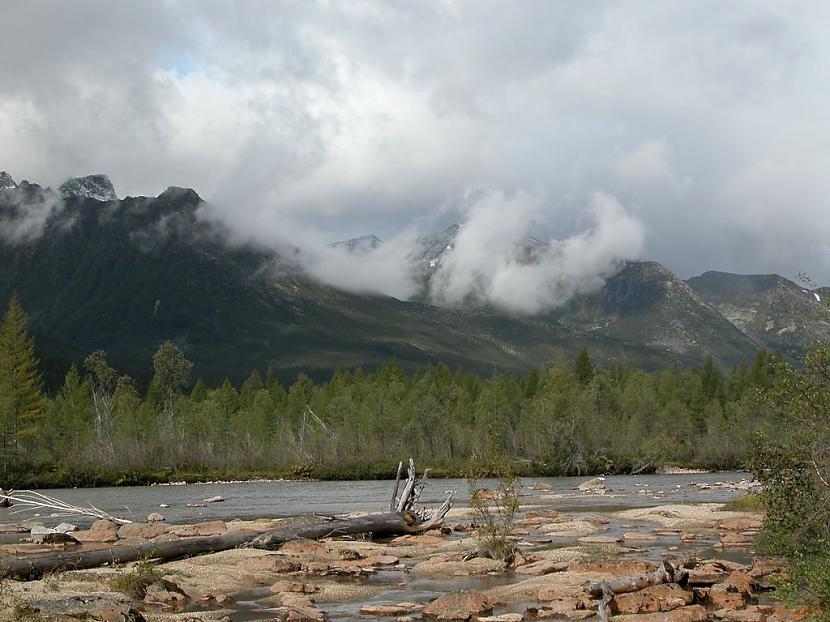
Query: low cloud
[(23, 220), (496, 260)]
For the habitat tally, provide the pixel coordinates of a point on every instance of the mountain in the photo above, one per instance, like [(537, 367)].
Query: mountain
[(364, 244), (95, 271), (774, 311), (125, 275), (646, 303)]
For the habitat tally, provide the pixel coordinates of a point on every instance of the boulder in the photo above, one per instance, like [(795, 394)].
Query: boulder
[(390, 609), (735, 539), (292, 586), (692, 613), (166, 593), (458, 606), (456, 566), (208, 528), (102, 534), (155, 517), (66, 528), (146, 531), (114, 613), (652, 599), (600, 539)]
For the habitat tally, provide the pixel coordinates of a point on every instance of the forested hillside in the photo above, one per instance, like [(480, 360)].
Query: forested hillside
[(571, 417)]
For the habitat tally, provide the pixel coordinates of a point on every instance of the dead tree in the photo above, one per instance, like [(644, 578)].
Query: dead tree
[(606, 590), (386, 524)]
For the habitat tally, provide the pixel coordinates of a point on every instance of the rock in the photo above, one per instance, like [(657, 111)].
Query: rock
[(208, 528), (57, 538), (390, 609), (103, 524), (292, 586), (295, 600), (102, 534), (567, 609), (163, 505), (598, 483), (66, 528), (692, 613), (141, 530), (542, 486), (544, 566), (115, 613), (484, 494), (305, 614), (215, 499), (735, 539), (505, 617), (653, 599), (458, 606), (381, 560), (645, 537), (307, 549), (40, 530), (744, 523), (422, 539), (455, 566), (166, 593), (732, 593), (155, 517), (600, 539), (746, 615)]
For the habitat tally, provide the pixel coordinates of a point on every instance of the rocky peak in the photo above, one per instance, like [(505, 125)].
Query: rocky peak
[(6, 181), (363, 244), (98, 187)]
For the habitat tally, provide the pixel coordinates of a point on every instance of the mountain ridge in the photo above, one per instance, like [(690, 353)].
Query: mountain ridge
[(126, 274)]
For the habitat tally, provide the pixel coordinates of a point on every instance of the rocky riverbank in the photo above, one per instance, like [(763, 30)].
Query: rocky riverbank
[(437, 575)]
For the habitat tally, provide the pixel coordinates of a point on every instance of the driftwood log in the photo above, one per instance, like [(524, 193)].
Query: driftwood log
[(605, 590), (398, 522), (35, 566)]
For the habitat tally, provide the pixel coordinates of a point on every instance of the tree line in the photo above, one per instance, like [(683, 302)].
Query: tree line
[(567, 418)]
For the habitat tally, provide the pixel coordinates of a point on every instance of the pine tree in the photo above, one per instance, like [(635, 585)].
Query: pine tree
[(22, 402), (584, 368)]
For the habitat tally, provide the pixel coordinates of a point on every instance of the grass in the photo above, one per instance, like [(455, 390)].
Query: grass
[(749, 502), (136, 582)]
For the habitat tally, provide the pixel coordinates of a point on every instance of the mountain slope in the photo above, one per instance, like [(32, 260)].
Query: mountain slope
[(770, 309), (125, 275), (646, 303)]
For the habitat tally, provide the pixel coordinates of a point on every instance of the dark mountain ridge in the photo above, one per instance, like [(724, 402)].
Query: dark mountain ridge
[(94, 271)]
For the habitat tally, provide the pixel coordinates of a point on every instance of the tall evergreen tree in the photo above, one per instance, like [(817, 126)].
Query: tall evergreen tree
[(584, 368), (22, 402)]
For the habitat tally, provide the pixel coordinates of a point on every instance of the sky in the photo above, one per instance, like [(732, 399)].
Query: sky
[(692, 133)]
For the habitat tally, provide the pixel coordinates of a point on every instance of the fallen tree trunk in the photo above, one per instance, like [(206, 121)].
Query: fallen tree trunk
[(35, 566), (666, 574), (608, 589)]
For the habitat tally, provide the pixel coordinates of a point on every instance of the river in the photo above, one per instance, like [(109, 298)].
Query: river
[(247, 500)]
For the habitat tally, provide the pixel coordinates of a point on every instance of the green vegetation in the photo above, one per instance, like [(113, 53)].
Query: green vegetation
[(135, 582), (794, 466), (495, 512), (745, 503), (573, 417)]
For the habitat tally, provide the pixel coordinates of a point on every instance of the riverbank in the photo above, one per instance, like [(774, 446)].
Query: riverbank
[(37, 476), (439, 575)]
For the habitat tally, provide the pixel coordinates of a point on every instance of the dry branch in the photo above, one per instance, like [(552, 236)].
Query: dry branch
[(30, 500)]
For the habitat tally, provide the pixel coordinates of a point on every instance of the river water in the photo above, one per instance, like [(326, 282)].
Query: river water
[(273, 499)]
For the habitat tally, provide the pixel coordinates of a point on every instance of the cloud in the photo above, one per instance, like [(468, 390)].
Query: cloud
[(492, 262), (332, 120)]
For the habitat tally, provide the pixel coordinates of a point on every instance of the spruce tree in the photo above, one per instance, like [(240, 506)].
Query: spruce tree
[(584, 368), (22, 402)]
